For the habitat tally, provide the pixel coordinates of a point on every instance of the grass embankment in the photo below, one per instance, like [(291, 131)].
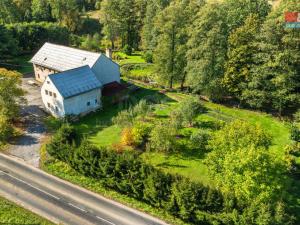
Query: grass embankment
[(13, 214)]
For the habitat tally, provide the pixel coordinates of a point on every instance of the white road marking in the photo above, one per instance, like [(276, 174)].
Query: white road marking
[(77, 207), (31, 186), (105, 220), (98, 217)]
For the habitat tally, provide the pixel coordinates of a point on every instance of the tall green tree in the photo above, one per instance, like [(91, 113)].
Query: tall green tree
[(8, 44), (242, 48), (8, 12), (41, 10), (238, 10), (170, 52), (150, 31), (109, 18), (275, 82), (241, 164), (66, 13), (10, 93), (207, 48)]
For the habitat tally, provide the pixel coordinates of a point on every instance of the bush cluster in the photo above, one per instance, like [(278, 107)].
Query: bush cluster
[(127, 173)]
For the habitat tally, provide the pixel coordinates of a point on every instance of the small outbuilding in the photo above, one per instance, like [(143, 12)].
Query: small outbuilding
[(72, 92)]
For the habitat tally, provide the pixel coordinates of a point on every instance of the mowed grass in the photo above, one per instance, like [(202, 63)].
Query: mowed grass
[(135, 58), (101, 132), (10, 213)]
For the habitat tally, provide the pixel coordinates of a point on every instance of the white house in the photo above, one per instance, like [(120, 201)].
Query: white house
[(52, 58), (72, 92)]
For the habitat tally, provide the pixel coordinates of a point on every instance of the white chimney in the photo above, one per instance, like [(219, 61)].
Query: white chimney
[(109, 53)]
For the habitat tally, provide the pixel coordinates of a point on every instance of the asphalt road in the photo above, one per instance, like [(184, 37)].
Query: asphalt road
[(60, 201)]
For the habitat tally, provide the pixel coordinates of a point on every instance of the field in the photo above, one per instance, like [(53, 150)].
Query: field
[(13, 214)]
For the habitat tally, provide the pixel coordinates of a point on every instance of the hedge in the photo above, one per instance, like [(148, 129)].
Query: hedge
[(128, 174)]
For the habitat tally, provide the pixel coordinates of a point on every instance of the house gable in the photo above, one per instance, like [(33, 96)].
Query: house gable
[(106, 70)]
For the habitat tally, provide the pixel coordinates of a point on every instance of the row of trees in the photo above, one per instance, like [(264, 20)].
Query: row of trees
[(236, 48), (66, 12)]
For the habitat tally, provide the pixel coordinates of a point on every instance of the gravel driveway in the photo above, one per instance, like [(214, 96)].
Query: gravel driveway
[(27, 147)]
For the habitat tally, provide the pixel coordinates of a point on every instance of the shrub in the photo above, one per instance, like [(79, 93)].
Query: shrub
[(124, 118), (297, 116), (127, 136), (127, 117), (127, 50), (162, 138), (63, 143), (148, 56), (200, 139), (189, 110), (142, 109), (6, 129), (140, 132), (295, 133)]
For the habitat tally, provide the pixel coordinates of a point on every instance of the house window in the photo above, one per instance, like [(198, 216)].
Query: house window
[(88, 103), (56, 108), (50, 93), (39, 76), (48, 105), (54, 95), (48, 82), (46, 92), (96, 101)]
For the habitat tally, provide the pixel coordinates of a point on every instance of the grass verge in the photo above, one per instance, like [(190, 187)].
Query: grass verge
[(11, 213)]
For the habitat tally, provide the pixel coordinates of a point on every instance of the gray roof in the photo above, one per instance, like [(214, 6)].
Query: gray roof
[(61, 58), (76, 81)]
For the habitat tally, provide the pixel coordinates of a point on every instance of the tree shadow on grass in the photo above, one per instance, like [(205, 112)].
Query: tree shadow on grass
[(95, 122), (168, 164)]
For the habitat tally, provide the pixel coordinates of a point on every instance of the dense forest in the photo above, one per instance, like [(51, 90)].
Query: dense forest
[(229, 50)]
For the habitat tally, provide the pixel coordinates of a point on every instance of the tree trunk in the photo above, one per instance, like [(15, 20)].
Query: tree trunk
[(112, 44), (182, 82)]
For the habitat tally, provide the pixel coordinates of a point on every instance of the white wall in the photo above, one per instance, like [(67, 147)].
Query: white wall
[(106, 70), (54, 102), (78, 104)]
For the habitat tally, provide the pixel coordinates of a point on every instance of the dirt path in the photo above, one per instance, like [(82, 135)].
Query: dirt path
[(27, 147)]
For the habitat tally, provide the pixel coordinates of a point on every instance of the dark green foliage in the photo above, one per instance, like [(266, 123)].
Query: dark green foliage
[(128, 174), (295, 133), (127, 50), (8, 44), (200, 139), (62, 145), (148, 56), (31, 36)]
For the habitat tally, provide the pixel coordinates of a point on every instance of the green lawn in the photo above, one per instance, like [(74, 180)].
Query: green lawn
[(13, 214), (135, 58), (100, 131)]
